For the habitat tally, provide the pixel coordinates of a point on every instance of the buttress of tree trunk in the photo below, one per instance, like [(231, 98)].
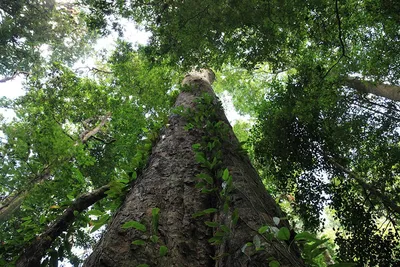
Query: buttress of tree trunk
[(168, 183), (391, 92)]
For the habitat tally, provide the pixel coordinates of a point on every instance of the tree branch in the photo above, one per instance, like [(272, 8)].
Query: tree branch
[(89, 133), (340, 29), (32, 254), (391, 92), (10, 78), (386, 201), (342, 45), (95, 70), (14, 201), (378, 112)]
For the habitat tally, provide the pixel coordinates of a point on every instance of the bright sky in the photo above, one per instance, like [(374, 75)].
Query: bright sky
[(13, 89)]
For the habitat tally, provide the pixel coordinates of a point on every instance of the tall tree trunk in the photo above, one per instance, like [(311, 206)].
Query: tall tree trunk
[(169, 184)]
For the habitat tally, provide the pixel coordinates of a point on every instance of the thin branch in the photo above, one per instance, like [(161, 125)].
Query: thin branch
[(380, 105), (89, 133), (95, 70), (104, 141), (342, 44), (10, 78), (33, 253), (64, 132), (386, 201), (340, 28), (376, 111)]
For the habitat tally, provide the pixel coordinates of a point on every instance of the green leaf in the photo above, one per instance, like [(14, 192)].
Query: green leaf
[(124, 181), (225, 228), (134, 224), (210, 210), (316, 252), (206, 178), (196, 146), (235, 216), (207, 191), (100, 222), (163, 251), (142, 265), (263, 229), (139, 242), (155, 211), (225, 174), (211, 224), (283, 234), (155, 217), (154, 238), (42, 219), (200, 185), (198, 214), (305, 236), (200, 158), (275, 263), (95, 212), (215, 240)]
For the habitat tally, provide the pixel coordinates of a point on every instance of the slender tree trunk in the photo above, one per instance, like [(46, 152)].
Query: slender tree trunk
[(169, 183)]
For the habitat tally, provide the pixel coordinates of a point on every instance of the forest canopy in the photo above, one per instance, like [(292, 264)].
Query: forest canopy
[(319, 81)]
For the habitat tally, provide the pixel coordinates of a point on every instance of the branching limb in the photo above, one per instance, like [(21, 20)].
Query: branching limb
[(33, 253), (89, 133), (10, 78)]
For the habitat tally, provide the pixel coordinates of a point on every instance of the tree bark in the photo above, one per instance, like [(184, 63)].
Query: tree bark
[(391, 92), (168, 183)]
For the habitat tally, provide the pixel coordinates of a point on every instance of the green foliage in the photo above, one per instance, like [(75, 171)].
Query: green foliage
[(134, 224), (163, 251), (334, 147), (31, 29), (71, 135)]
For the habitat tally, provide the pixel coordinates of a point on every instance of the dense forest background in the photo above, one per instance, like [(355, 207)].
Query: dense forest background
[(316, 80)]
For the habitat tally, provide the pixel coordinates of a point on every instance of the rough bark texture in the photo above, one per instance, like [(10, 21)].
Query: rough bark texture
[(169, 183), (391, 92)]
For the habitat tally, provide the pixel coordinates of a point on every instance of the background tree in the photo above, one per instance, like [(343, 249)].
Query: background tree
[(36, 32)]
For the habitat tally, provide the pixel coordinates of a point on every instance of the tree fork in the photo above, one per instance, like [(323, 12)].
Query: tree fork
[(169, 184)]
